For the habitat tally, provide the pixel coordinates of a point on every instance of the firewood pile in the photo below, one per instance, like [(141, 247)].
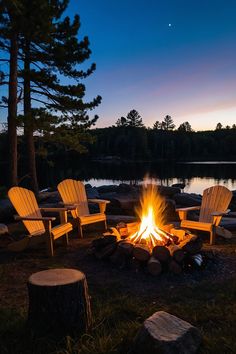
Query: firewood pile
[(178, 250)]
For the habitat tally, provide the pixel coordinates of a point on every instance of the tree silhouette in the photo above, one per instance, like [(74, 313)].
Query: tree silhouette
[(157, 125), (185, 127), (168, 123), (219, 126), (121, 122), (134, 119)]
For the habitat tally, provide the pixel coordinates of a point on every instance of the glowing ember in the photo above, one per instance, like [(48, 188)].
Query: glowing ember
[(152, 216)]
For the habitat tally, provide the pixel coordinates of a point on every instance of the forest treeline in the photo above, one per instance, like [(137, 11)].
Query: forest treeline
[(139, 144), (132, 143)]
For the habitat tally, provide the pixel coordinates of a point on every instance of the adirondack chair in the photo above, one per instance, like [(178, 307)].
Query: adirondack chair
[(73, 193), (215, 201), (39, 227)]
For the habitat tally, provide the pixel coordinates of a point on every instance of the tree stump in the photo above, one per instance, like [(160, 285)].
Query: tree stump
[(59, 302)]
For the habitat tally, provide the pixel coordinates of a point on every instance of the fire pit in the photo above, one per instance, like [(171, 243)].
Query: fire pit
[(151, 243)]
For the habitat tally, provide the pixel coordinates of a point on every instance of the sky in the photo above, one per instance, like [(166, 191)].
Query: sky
[(162, 57)]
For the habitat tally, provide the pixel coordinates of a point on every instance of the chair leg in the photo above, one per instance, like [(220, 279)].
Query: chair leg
[(212, 236), (105, 222), (66, 240), (80, 231), (50, 245)]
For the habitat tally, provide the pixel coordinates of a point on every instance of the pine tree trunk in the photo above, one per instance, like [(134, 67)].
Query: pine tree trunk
[(29, 126), (12, 112)]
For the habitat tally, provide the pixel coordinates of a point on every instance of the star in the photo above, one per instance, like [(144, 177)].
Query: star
[(169, 25)]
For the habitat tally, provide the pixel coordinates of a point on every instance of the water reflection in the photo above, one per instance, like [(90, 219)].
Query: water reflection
[(196, 176)]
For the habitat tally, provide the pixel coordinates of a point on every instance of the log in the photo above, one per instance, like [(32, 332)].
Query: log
[(175, 267), (126, 248), (59, 303), (176, 252), (191, 246), (141, 252), (104, 241), (180, 233), (105, 252), (167, 228), (154, 266), (161, 253)]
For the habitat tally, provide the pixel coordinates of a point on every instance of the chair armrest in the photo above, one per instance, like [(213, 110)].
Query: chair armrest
[(197, 207), (98, 201), (183, 211), (101, 202), (66, 208), (220, 213), (34, 218)]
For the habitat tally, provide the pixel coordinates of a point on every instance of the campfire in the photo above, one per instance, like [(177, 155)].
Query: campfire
[(152, 216), (152, 243)]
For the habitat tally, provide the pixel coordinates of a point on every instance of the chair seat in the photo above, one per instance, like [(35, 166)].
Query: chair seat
[(203, 226), (91, 218), (62, 229)]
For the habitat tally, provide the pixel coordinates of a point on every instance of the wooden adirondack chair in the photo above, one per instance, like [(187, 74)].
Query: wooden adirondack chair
[(38, 226), (73, 193), (215, 201)]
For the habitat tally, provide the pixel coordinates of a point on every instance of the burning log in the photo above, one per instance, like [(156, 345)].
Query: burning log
[(154, 266), (126, 248), (141, 252), (161, 253), (175, 267), (176, 252)]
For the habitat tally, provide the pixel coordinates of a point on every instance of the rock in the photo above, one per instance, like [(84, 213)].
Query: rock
[(92, 193), (6, 211), (49, 197), (118, 218), (3, 229), (187, 200), (124, 188), (168, 191), (107, 189), (163, 333), (179, 185)]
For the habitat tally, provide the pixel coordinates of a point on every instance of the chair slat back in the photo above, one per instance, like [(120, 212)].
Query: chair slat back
[(73, 192), (216, 198), (25, 203)]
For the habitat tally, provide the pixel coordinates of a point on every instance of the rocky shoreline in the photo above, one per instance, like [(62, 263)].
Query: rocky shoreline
[(124, 199)]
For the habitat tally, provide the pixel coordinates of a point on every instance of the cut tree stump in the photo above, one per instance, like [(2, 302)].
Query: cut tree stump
[(59, 302)]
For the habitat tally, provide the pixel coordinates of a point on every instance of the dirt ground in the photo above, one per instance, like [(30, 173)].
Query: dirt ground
[(15, 269)]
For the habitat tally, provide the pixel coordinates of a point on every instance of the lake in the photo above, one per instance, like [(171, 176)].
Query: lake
[(197, 176)]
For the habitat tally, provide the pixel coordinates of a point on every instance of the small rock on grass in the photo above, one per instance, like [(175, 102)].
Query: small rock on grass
[(163, 333)]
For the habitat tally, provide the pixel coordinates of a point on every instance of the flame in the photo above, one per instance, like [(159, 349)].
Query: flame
[(152, 215)]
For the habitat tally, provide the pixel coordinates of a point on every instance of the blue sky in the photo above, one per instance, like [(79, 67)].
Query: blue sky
[(172, 57), (161, 57)]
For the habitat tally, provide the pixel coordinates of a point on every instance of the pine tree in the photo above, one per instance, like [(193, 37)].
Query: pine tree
[(219, 126), (157, 125), (49, 50), (121, 122), (134, 119), (9, 31), (168, 123), (185, 127)]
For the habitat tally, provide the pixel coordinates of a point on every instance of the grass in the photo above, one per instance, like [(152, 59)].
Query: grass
[(117, 318)]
